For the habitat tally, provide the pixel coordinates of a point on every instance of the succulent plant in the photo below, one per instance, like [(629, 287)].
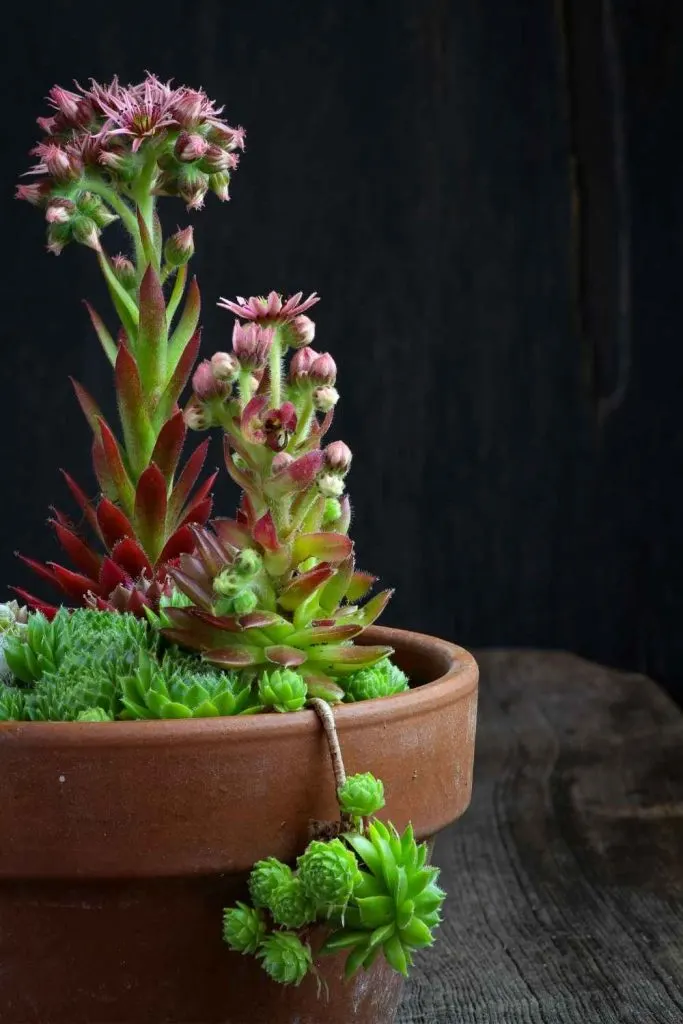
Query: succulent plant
[(172, 690), (285, 958), (13, 624), (361, 795), (381, 680), (328, 872), (266, 875), (94, 715), (282, 690), (396, 900), (291, 905), (244, 928)]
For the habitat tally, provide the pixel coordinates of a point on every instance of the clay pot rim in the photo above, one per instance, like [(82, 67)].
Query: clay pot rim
[(458, 676)]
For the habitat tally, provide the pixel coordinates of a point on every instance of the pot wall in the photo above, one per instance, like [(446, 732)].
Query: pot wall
[(121, 843)]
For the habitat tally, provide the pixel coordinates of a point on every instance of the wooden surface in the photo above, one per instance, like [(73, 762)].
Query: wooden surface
[(565, 877)]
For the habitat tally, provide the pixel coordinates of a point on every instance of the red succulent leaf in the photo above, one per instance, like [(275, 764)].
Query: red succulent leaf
[(328, 547), (189, 318), (232, 533), (235, 657), (320, 685), (288, 657), (297, 476), (113, 523), (137, 428), (83, 557), (151, 340), (198, 635), (128, 554), (192, 588), (222, 623), (101, 467), (111, 575), (374, 608), (246, 513), (179, 543), (106, 340), (192, 565), (260, 620), (180, 376), (325, 634), (44, 571), (302, 586), (209, 550), (187, 480), (91, 409), (199, 498), (265, 533), (348, 659), (117, 472), (75, 585), (169, 445), (337, 587), (84, 503), (361, 583), (199, 512), (48, 610), (150, 510)]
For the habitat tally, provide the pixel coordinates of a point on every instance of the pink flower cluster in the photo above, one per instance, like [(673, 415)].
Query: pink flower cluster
[(109, 133)]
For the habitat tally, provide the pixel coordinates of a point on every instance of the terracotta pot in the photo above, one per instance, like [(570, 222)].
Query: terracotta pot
[(121, 843)]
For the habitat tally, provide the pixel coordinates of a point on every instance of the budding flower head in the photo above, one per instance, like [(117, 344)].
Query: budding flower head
[(179, 247), (225, 366), (59, 211), (124, 271), (219, 185), (205, 384), (299, 332), (301, 363), (248, 562), (338, 457), (332, 511), (251, 344), (190, 147), (281, 461), (325, 399), (192, 185), (85, 231), (323, 370)]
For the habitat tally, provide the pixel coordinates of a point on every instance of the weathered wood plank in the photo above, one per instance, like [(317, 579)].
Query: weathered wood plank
[(566, 874)]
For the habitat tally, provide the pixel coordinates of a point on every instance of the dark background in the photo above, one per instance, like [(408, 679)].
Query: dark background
[(489, 198)]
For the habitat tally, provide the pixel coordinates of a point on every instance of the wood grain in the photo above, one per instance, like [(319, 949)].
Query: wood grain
[(565, 877)]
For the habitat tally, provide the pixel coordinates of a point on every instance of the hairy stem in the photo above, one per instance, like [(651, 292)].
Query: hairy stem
[(275, 367), (303, 422), (326, 716)]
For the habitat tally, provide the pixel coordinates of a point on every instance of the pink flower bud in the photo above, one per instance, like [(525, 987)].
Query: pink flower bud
[(323, 370), (192, 185), (325, 399), (251, 344), (36, 193), (281, 461), (300, 331), (59, 210), (190, 147), (66, 102), (216, 160), (124, 271), (86, 232), (204, 382), (301, 363), (47, 124), (338, 457), (179, 248), (56, 161), (194, 416), (188, 107), (219, 183), (225, 366)]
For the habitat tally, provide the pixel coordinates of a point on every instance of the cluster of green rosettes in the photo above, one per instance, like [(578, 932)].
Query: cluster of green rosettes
[(372, 889), (94, 666)]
